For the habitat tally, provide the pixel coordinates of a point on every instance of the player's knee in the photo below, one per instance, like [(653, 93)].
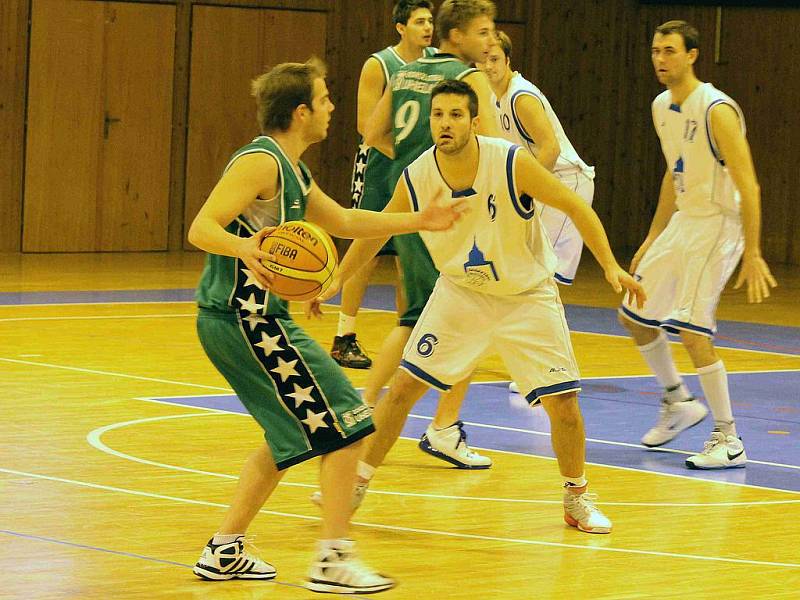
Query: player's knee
[(405, 390), (564, 409)]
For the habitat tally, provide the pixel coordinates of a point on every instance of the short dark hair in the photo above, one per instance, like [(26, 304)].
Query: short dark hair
[(279, 91), (504, 42), (458, 88), (456, 14), (403, 9), (690, 35)]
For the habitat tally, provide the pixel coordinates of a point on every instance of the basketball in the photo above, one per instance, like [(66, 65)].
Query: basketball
[(305, 260)]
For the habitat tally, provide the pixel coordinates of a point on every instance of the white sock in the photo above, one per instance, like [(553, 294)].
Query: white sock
[(227, 538), (364, 470), (714, 381), (659, 358), (347, 324)]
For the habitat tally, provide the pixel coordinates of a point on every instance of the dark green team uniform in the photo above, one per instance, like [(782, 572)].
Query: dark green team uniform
[(411, 109), (370, 186), (292, 387)]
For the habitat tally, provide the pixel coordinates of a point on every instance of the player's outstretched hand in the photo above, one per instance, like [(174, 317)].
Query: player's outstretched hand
[(251, 254), (759, 279), (619, 279), (441, 213), (313, 307)]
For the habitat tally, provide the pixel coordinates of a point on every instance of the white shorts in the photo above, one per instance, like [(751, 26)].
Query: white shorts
[(685, 271), (528, 331), (563, 234)]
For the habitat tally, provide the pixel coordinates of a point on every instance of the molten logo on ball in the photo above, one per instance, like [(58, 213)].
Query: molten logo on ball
[(304, 260)]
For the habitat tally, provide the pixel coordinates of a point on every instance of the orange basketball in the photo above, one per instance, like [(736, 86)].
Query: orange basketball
[(305, 260)]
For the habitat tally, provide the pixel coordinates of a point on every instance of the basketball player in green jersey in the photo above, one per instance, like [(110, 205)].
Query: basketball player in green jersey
[(291, 386), (400, 127), (370, 185)]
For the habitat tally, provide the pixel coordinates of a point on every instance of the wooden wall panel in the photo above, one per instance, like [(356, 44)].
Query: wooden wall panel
[(13, 63), (231, 46), (132, 214), (590, 57), (65, 107), (760, 70)]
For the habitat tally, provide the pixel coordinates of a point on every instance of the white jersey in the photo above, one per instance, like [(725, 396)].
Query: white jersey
[(500, 246), (508, 121), (701, 181)]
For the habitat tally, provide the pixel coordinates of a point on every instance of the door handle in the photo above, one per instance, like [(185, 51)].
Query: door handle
[(107, 121)]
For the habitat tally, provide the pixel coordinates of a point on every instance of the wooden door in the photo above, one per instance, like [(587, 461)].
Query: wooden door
[(99, 126), (230, 47)]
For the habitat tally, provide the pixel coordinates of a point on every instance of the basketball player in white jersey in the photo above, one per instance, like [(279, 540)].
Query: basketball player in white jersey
[(496, 287), (525, 117), (708, 217)]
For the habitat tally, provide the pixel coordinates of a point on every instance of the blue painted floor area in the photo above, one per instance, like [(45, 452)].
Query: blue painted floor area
[(96, 297), (731, 334), (589, 319), (617, 412)]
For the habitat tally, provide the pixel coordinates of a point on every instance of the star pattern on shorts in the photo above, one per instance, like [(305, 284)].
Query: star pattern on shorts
[(314, 420), (301, 395), (285, 369), (269, 343), (254, 321), (251, 279), (250, 305)]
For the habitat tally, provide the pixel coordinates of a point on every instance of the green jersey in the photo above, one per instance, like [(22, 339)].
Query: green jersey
[(411, 106), (371, 188), (226, 284)]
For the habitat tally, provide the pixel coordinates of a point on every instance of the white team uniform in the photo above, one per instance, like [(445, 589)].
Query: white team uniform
[(570, 169), (496, 285), (688, 265)]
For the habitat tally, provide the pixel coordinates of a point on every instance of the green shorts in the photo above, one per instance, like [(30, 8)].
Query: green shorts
[(289, 383), (419, 275)]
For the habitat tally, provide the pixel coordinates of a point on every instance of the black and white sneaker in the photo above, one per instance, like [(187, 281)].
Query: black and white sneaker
[(338, 570), (230, 561)]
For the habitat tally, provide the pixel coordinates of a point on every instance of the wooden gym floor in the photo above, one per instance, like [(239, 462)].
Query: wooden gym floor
[(107, 493)]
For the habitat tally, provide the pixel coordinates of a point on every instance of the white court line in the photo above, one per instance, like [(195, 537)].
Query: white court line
[(414, 529), (94, 439), (95, 317), (112, 374)]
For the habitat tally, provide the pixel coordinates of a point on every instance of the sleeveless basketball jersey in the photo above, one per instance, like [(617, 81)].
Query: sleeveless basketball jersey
[(701, 181), (369, 162), (499, 247), (226, 284), (411, 106), (511, 126)]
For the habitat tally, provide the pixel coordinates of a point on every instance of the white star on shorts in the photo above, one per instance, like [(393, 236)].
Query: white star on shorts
[(285, 369), (314, 420), (301, 395), (269, 343)]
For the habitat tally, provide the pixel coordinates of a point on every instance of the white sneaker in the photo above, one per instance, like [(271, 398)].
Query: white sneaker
[(580, 512), (230, 561), (450, 444), (339, 571), (359, 491), (513, 388), (674, 418), (719, 452)]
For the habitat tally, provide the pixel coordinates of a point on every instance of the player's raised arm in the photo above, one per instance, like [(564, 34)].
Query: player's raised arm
[(371, 85), (735, 151), (533, 179), (530, 112), (378, 131), (487, 122), (251, 176), (393, 220)]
